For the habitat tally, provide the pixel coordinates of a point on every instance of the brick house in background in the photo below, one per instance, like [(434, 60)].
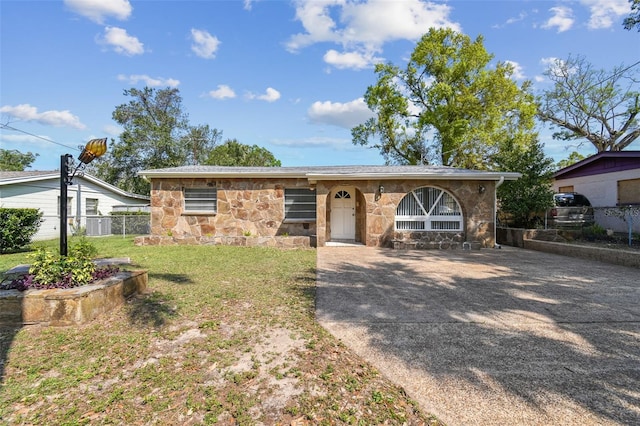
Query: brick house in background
[(380, 206)]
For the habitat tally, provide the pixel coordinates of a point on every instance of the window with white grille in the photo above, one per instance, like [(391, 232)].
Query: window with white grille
[(428, 209), (200, 199)]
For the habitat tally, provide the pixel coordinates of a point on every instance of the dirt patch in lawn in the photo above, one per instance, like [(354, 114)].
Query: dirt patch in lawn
[(204, 370)]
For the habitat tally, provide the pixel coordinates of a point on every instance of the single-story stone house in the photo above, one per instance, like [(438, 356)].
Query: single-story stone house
[(380, 206)]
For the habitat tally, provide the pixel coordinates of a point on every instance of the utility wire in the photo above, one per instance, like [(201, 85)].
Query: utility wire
[(615, 74), (6, 126)]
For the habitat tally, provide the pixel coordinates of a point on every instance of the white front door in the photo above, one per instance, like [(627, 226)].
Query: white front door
[(343, 214)]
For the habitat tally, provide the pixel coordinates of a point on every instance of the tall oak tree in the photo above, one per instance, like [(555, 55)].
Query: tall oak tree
[(447, 106)]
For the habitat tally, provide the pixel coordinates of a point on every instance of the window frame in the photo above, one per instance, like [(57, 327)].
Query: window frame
[(628, 193), (69, 207), (86, 207), (198, 210), (428, 219), (288, 203)]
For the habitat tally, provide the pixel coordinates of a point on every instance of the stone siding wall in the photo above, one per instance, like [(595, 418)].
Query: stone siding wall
[(255, 207), (251, 207), (376, 213)]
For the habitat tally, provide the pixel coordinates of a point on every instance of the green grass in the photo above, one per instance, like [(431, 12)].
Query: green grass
[(222, 334)]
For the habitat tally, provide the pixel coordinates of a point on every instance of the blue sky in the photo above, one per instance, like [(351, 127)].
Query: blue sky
[(285, 75)]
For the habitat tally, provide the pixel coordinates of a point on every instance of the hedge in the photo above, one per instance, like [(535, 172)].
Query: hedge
[(17, 227)]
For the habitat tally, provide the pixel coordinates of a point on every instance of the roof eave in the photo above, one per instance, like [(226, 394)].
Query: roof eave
[(431, 176), (333, 176), (222, 175), (26, 179)]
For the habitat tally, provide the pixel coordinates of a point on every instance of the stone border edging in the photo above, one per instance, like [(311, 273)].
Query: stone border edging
[(70, 306), (278, 241), (614, 256)]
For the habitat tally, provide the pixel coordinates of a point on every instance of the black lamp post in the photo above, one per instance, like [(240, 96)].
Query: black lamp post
[(93, 149)]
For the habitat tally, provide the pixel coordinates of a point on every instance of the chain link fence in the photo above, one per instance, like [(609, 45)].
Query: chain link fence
[(118, 224)]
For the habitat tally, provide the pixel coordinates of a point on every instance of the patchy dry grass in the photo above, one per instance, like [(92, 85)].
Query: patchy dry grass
[(225, 335)]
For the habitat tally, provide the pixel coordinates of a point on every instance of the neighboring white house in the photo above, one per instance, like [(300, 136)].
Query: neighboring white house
[(89, 200), (610, 180)]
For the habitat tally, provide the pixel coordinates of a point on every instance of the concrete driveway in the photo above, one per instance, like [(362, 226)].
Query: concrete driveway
[(487, 337)]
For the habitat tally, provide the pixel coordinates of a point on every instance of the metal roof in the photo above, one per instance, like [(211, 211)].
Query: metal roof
[(316, 173), (586, 167), (9, 178)]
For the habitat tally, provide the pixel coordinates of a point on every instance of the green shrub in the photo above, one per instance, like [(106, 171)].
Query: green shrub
[(17, 227), (594, 230), (54, 271)]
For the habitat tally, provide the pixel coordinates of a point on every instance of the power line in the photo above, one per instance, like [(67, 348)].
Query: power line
[(6, 126), (614, 75)]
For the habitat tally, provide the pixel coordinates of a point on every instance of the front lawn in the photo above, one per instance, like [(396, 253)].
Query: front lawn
[(226, 335)]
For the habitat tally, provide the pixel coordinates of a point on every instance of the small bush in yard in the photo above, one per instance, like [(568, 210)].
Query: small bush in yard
[(17, 227), (50, 270)]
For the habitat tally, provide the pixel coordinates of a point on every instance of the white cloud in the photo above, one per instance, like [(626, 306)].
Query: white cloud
[(112, 130), (510, 21), (98, 10), (121, 42), (222, 92), (270, 95), (365, 26), (27, 112), (352, 60), (347, 115), (562, 19), (605, 12), (518, 72), (549, 61), (204, 44), (554, 65), (315, 142), (248, 4), (134, 79)]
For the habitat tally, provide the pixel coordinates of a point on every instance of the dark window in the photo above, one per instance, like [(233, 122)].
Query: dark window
[(571, 200), (300, 205), (200, 200)]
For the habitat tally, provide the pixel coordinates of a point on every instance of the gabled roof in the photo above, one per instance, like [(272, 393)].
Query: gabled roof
[(10, 178), (602, 162), (317, 173)]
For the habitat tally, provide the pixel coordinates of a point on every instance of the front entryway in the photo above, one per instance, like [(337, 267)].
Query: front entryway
[(343, 214)]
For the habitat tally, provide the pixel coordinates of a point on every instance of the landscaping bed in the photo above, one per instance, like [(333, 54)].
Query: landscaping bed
[(68, 306), (224, 335)]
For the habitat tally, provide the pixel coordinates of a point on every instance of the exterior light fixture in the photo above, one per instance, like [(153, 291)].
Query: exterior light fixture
[(481, 189), (380, 192), (92, 150)]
